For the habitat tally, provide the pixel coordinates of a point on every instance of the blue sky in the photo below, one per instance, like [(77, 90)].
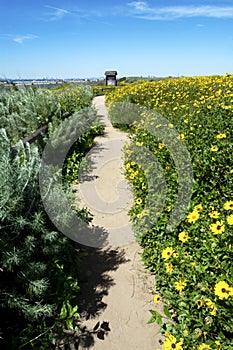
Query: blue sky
[(77, 38)]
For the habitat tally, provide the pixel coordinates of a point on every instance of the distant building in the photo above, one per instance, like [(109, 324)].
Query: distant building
[(111, 77)]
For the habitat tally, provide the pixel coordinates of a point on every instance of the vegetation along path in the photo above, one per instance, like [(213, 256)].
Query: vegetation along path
[(117, 289)]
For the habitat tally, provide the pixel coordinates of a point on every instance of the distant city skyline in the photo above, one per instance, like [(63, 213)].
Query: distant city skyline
[(65, 39)]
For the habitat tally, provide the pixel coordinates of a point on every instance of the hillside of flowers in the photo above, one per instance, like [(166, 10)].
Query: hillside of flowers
[(192, 263)]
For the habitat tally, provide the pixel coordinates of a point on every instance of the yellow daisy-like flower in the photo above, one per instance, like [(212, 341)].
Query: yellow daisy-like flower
[(214, 311), (132, 163), (230, 219), (139, 215), (176, 255), (157, 298), (221, 136), (193, 216), (181, 137), (204, 347), (211, 306), (132, 176), (221, 289), (161, 145), (167, 253), (228, 205), (214, 214), (171, 343), (214, 149), (183, 236), (169, 267), (138, 201), (180, 285), (198, 208), (199, 303), (217, 228)]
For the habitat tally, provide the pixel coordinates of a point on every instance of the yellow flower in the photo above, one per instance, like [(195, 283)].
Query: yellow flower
[(139, 201), (169, 267), (198, 208), (214, 214), (176, 255), (193, 216), (183, 236), (214, 149), (161, 145), (181, 137), (230, 219), (199, 303), (211, 306), (221, 289), (139, 215), (228, 205), (217, 228), (171, 343), (221, 136), (157, 299), (167, 253), (180, 285), (204, 347), (214, 311)]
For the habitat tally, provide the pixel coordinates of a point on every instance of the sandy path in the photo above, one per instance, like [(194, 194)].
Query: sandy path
[(117, 289)]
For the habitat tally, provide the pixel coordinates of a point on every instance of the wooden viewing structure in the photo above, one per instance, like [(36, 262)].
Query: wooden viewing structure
[(111, 77)]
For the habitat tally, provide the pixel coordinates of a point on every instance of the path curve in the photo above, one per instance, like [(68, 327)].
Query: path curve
[(125, 303)]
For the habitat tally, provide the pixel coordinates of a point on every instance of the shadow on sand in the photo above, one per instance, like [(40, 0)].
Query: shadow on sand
[(95, 282)]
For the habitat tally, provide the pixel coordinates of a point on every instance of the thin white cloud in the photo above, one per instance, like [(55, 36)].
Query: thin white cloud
[(141, 9), (56, 13), (21, 38)]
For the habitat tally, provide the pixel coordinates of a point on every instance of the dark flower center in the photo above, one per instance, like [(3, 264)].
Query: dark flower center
[(223, 290), (219, 227), (173, 346)]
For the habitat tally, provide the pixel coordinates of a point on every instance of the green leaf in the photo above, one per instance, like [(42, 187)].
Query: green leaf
[(63, 312), (151, 320), (69, 324), (166, 311), (156, 316)]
